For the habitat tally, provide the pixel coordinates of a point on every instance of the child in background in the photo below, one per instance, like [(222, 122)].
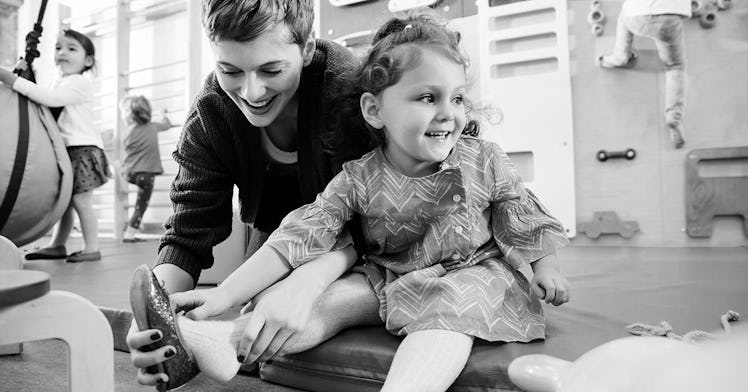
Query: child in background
[(447, 222), (661, 21), (69, 100), (142, 159)]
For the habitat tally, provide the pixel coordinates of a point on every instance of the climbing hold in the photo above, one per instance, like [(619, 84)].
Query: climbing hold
[(597, 30), (724, 4), (708, 19)]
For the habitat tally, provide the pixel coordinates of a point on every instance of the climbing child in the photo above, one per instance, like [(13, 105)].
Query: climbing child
[(447, 224), (142, 159), (662, 22), (69, 100)]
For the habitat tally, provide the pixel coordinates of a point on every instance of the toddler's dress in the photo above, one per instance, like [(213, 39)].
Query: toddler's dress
[(444, 249)]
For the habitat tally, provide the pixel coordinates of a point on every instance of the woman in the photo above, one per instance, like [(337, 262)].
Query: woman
[(263, 121)]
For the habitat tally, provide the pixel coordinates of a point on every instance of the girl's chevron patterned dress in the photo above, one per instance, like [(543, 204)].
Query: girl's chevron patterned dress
[(445, 249)]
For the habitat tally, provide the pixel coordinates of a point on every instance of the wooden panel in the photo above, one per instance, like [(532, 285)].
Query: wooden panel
[(623, 108), (524, 73)]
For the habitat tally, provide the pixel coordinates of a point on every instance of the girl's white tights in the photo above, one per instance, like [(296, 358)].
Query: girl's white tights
[(213, 344), (428, 361)]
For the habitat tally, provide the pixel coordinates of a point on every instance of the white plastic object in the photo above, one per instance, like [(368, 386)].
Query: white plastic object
[(404, 5), (724, 4), (353, 39), (341, 3)]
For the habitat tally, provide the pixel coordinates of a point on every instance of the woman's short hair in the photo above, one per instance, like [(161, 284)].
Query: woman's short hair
[(245, 20)]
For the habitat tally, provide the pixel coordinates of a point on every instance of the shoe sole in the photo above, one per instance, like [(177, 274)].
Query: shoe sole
[(181, 367), (44, 257)]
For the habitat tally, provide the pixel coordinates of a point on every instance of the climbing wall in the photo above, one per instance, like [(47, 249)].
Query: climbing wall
[(616, 110)]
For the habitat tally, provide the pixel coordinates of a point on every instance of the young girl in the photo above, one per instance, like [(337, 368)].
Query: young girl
[(661, 21), (142, 159), (447, 222), (69, 99)]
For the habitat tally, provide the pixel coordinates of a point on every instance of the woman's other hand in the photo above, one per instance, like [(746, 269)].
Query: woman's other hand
[(142, 358)]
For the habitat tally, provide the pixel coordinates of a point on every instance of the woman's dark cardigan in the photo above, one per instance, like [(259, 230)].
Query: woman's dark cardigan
[(219, 148)]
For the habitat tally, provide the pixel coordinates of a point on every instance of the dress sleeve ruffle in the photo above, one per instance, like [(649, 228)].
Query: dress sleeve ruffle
[(522, 227), (317, 228)]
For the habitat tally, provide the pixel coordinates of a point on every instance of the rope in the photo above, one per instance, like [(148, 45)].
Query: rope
[(695, 336), (32, 40)]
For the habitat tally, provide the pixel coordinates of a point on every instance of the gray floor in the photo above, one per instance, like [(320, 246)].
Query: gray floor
[(43, 365)]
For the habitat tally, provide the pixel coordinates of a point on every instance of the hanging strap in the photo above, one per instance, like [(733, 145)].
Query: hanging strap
[(22, 148), (32, 40), (22, 151)]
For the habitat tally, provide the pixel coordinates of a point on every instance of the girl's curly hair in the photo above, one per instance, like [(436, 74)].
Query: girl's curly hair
[(396, 48)]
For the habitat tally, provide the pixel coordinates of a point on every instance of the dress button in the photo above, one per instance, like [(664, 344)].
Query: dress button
[(456, 256), (458, 229), (456, 198)]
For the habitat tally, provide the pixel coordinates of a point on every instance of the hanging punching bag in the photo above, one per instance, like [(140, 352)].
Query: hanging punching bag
[(36, 178)]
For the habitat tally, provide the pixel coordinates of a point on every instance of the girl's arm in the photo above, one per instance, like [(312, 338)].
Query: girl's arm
[(7, 77), (265, 267), (71, 90), (165, 124)]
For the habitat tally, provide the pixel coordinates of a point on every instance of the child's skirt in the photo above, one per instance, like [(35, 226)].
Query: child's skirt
[(90, 168), (489, 300)]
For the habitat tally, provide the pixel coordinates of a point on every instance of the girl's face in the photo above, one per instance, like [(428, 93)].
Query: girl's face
[(262, 75), (422, 114), (70, 57)]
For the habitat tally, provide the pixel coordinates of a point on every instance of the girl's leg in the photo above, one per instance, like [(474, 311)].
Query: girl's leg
[(671, 47), (83, 203), (347, 302), (144, 182), (62, 229), (428, 360)]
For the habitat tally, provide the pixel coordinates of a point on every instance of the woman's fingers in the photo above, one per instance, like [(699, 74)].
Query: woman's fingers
[(144, 359), (251, 332), (137, 339), (275, 344), (151, 379), (186, 300)]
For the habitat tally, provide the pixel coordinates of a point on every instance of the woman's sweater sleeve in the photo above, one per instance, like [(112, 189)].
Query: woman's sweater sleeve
[(69, 90), (201, 196)]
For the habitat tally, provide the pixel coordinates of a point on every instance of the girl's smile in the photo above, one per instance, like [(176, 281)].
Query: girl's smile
[(422, 114)]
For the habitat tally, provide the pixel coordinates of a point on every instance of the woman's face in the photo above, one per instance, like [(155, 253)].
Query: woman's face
[(262, 75)]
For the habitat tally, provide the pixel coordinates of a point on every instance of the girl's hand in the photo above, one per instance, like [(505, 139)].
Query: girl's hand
[(278, 313), (136, 341), (549, 285), (21, 65), (201, 304)]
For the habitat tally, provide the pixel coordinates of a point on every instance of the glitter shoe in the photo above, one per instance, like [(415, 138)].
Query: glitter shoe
[(152, 310)]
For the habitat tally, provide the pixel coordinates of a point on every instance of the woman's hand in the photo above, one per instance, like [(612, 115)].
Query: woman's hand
[(201, 304), (279, 312), (138, 341)]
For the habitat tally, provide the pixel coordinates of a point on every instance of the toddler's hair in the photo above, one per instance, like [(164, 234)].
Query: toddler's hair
[(245, 20), (397, 47), (85, 42), (140, 108)]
